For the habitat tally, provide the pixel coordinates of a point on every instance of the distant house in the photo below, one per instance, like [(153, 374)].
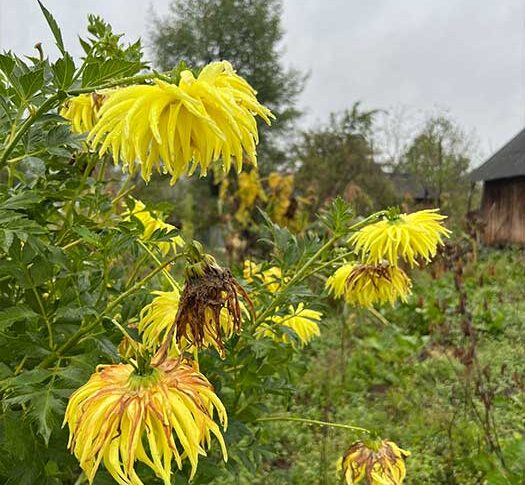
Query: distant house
[(409, 189), (503, 200)]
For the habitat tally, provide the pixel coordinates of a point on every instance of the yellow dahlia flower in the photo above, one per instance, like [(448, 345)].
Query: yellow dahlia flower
[(377, 463), (408, 236), (81, 111), (301, 320), (120, 417), (174, 128), (366, 284), (152, 224)]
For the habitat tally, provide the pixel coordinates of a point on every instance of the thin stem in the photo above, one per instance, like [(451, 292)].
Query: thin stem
[(165, 272), (297, 278), (48, 104), (315, 421), (45, 317), (83, 330)]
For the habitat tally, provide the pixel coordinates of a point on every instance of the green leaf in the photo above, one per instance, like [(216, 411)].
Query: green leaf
[(63, 71), (31, 82), (54, 28), (33, 167), (45, 408), (7, 64), (15, 314), (99, 72), (22, 200)]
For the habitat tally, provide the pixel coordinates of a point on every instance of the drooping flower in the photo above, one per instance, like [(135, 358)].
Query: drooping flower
[(408, 236), (82, 111), (366, 284), (303, 321), (210, 309), (120, 417), (375, 462), (175, 128), (152, 224)]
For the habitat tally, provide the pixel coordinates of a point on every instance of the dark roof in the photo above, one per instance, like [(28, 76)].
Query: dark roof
[(407, 184), (507, 162)]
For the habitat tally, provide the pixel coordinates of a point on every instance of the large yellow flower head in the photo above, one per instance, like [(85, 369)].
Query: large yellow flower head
[(82, 111), (175, 128), (303, 321), (120, 417), (408, 236), (152, 224), (377, 463), (365, 284)]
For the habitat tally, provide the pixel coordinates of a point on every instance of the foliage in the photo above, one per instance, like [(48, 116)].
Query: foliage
[(338, 159), (407, 375), (439, 159)]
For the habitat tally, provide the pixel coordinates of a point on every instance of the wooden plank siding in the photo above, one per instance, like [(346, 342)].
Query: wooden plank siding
[(503, 211)]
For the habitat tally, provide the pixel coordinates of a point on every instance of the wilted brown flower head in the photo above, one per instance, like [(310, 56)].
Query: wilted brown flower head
[(209, 308)]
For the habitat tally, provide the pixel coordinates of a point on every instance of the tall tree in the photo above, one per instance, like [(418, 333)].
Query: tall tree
[(338, 159), (248, 33), (439, 159)]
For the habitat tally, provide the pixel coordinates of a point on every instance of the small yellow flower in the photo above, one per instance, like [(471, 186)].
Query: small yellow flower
[(174, 129), (271, 278), (377, 463), (408, 236), (82, 111), (365, 284), (301, 320), (120, 417), (152, 224)]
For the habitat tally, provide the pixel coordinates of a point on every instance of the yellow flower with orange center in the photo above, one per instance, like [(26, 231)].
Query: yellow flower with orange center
[(82, 111), (366, 284), (120, 417)]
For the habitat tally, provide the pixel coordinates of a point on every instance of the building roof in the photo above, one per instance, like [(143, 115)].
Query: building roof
[(407, 184), (507, 162)]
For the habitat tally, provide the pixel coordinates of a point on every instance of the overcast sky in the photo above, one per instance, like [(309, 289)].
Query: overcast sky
[(467, 56)]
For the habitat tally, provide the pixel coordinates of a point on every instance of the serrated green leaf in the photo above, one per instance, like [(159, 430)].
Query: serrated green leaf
[(63, 71), (7, 64), (55, 29), (45, 410), (15, 314), (31, 82), (22, 200), (98, 72)]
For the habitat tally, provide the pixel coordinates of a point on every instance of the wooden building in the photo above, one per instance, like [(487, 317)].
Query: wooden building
[(503, 201)]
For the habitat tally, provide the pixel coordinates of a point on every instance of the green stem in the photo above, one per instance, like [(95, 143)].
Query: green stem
[(296, 279), (45, 317), (83, 330), (48, 104), (315, 421), (165, 272)]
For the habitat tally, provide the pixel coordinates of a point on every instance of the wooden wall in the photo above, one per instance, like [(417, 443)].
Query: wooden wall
[(503, 211)]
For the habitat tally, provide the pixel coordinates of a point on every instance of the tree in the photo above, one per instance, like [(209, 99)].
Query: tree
[(248, 33), (338, 160), (439, 159)]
